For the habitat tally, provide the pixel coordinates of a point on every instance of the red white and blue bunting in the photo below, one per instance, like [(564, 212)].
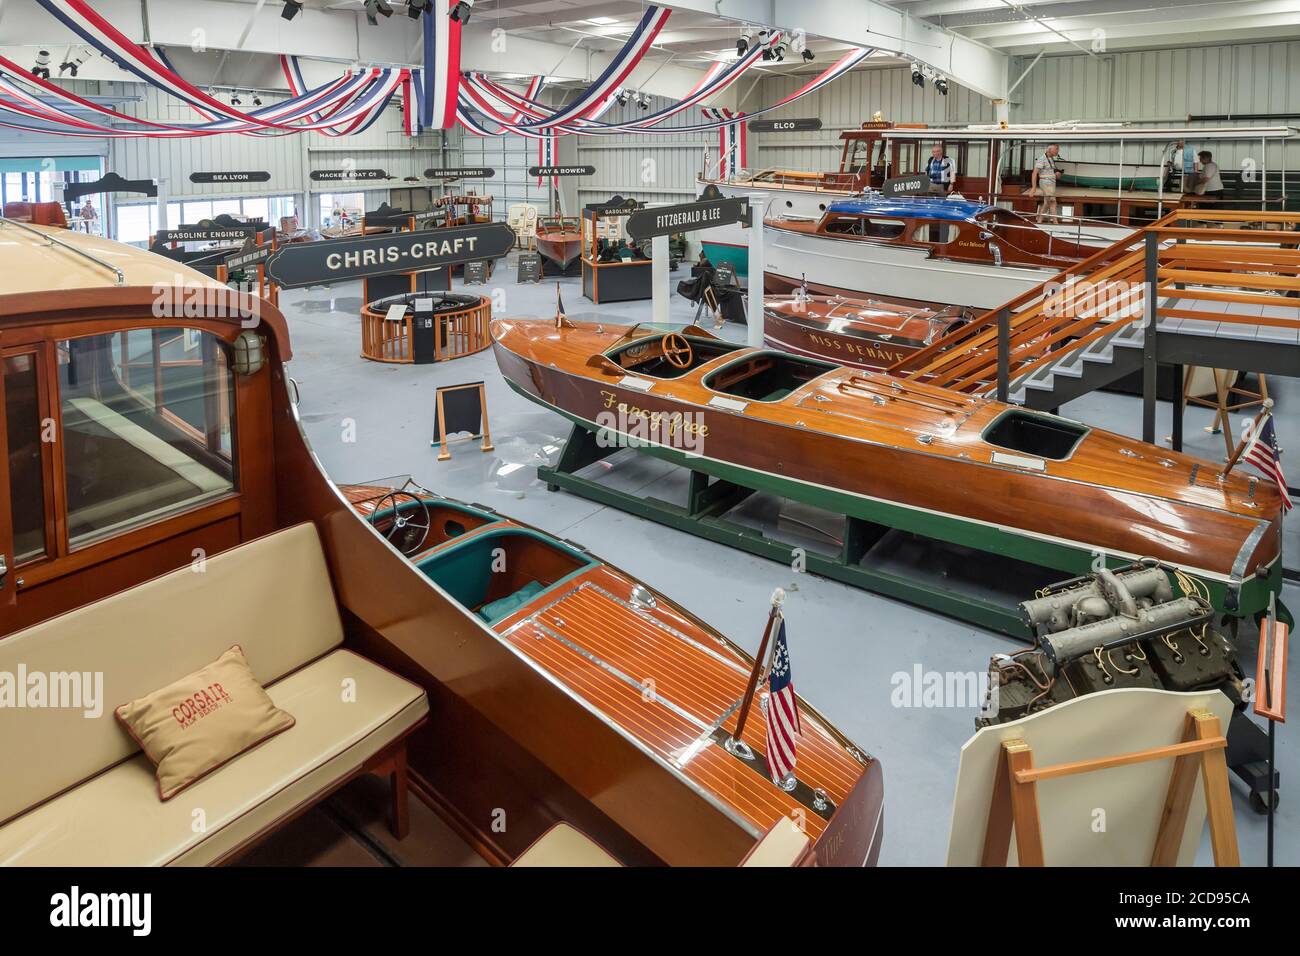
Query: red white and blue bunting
[(733, 140), (441, 67)]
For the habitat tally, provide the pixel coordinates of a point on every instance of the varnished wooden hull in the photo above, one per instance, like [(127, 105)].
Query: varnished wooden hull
[(830, 443), (561, 247), (599, 646), (866, 334)]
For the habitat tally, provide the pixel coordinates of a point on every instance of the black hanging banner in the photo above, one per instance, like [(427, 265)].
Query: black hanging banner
[(913, 185), (614, 206), (347, 175), (110, 183), (205, 233), (246, 176), (807, 124), (336, 260), (545, 172), (461, 172), (687, 217), (245, 260)]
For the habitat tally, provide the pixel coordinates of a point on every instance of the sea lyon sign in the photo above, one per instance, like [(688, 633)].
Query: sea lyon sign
[(321, 263)]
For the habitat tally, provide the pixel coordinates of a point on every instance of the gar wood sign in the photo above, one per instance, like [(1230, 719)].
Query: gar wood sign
[(687, 217), (320, 263), (913, 185)]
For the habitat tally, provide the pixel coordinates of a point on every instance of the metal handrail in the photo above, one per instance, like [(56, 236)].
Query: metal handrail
[(54, 241)]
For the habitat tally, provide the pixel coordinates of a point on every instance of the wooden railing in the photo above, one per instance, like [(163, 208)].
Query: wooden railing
[(1184, 256), (459, 333)]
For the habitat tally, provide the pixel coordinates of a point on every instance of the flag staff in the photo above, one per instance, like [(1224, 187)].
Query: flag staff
[(1249, 435), (778, 599)]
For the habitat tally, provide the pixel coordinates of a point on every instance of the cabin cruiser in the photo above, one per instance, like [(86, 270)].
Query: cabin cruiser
[(916, 251), (179, 516), (947, 465)]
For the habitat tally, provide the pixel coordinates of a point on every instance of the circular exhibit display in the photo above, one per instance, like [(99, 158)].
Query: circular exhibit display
[(423, 327)]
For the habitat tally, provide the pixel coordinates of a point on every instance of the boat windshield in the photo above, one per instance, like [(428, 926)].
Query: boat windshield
[(766, 376), (648, 356)]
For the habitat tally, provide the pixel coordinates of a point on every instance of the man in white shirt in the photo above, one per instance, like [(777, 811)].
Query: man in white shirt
[(1044, 182), (1208, 182), (940, 172)]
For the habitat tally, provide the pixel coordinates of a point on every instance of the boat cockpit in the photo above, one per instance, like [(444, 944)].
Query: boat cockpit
[(671, 355), (766, 376)]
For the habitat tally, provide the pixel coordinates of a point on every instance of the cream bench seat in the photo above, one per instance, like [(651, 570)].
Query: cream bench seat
[(566, 846), (78, 791)]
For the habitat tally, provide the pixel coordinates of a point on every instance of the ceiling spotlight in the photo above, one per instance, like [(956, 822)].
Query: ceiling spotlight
[(460, 11), (416, 7), (918, 78), (779, 50), (291, 9), (643, 101), (74, 62), (807, 55), (743, 42), (941, 84), (623, 97), (235, 100), (765, 41), (376, 9), (257, 100), (42, 67)]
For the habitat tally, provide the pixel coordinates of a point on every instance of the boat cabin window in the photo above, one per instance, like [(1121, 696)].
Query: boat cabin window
[(766, 376), (27, 483), (147, 427), (866, 226), (1037, 435), (646, 356), (939, 232)]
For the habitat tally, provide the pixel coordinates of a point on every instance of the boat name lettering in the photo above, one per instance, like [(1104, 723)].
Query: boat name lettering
[(866, 351), (670, 423)]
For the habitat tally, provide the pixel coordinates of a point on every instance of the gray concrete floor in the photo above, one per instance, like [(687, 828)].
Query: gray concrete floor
[(846, 644)]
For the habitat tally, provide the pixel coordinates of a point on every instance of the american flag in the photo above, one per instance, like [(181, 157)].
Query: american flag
[(782, 712), (1264, 454)]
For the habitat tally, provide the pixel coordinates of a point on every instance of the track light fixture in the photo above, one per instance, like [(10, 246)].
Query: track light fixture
[(779, 50), (918, 78), (941, 84), (376, 9), (74, 62), (743, 42), (291, 9), (807, 55), (416, 7), (765, 41), (257, 100), (42, 66), (643, 101), (460, 12), (234, 99), (622, 97)]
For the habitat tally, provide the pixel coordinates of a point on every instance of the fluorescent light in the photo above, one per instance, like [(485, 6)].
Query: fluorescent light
[(602, 21)]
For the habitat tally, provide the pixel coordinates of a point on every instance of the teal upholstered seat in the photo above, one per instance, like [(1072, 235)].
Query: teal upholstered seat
[(504, 607)]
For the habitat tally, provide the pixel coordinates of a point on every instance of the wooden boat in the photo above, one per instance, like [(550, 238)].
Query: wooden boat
[(863, 333), (947, 465), (1125, 176), (930, 252), (179, 449), (559, 238), (604, 637)]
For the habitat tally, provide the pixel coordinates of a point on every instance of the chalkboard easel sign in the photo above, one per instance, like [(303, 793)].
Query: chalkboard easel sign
[(476, 272), (530, 268), (461, 408)]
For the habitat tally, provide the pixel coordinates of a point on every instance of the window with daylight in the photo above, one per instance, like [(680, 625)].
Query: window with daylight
[(147, 428), (27, 484)]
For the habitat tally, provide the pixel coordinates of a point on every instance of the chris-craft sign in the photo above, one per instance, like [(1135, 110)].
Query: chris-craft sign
[(545, 171), (320, 263), (805, 125), (460, 172), (242, 176), (347, 175)]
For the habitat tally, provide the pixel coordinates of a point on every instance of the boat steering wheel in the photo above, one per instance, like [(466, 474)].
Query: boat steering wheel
[(407, 534), (677, 350)]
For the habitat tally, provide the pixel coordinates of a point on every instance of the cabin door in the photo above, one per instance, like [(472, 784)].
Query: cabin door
[(26, 434)]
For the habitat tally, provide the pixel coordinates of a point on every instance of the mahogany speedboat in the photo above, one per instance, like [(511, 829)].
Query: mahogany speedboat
[(179, 510), (931, 252), (947, 465), (671, 683), (863, 333), (559, 238)]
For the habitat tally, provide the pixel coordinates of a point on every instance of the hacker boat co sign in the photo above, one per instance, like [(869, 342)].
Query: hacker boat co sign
[(320, 263)]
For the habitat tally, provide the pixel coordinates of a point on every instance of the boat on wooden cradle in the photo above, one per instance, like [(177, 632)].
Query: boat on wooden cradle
[(931, 252), (941, 464), (179, 448), (863, 333), (559, 239), (605, 637)]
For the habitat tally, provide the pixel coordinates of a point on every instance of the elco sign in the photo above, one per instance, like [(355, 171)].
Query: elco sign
[(320, 263)]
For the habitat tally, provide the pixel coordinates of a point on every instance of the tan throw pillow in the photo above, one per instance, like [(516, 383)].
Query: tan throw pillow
[(191, 727)]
